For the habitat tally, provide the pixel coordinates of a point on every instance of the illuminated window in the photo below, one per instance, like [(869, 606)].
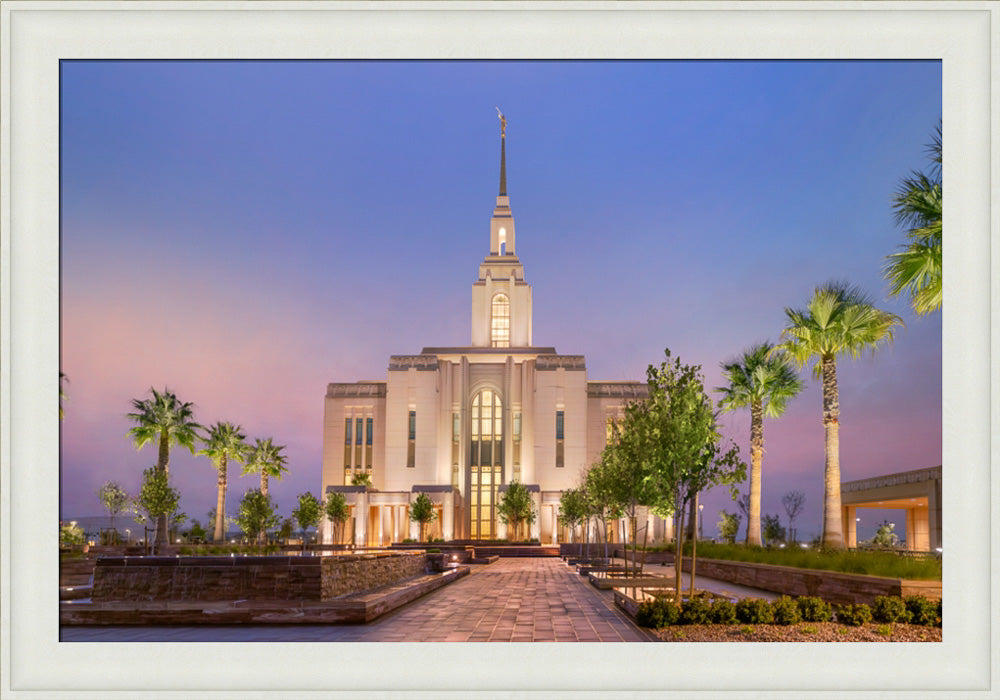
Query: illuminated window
[(347, 443), (411, 443), (560, 462), (500, 322), (369, 438), (485, 461)]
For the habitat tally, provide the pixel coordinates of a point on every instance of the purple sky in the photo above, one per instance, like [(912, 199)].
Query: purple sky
[(245, 232)]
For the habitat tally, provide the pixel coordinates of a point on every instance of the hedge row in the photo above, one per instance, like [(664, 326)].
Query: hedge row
[(914, 609)]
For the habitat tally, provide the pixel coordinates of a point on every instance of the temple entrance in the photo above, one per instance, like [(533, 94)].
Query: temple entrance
[(485, 470)]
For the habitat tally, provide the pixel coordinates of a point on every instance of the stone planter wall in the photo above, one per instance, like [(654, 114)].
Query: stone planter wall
[(248, 578), (350, 574), (831, 586)]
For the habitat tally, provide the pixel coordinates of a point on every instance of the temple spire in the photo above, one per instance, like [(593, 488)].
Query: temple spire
[(503, 153)]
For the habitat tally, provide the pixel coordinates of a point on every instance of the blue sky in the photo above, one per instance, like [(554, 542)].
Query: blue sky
[(245, 232)]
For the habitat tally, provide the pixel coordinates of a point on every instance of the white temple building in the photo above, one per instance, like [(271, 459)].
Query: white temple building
[(460, 423)]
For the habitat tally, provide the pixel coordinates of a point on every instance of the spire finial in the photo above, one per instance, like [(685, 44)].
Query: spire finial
[(503, 153)]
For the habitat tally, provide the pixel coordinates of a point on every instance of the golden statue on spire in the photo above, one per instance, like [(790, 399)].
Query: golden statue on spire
[(503, 122)]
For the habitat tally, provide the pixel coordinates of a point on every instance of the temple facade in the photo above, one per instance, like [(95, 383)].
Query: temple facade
[(461, 423)]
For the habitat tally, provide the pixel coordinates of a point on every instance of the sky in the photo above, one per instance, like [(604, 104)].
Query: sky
[(245, 232)]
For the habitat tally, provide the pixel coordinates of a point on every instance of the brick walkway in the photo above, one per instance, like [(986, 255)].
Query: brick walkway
[(512, 600)]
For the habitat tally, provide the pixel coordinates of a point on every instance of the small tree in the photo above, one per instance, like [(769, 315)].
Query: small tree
[(729, 526), (361, 479), (286, 529), (573, 510), (307, 513), (197, 531), (793, 501), (338, 512), (516, 507), (422, 511), (743, 503), (683, 448), (256, 514), (157, 499), (115, 500), (771, 529), (70, 534), (884, 536)]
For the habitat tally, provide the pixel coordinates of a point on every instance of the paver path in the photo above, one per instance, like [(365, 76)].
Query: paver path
[(512, 600)]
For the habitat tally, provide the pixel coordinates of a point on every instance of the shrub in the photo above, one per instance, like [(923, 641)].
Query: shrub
[(785, 611), (939, 615), (854, 615), (696, 611), (754, 611), (433, 550), (890, 609), (814, 609), (922, 611), (659, 612), (723, 612)]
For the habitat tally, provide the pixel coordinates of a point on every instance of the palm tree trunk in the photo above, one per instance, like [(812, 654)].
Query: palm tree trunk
[(756, 450), (833, 536), (220, 503), (163, 465), (263, 481)]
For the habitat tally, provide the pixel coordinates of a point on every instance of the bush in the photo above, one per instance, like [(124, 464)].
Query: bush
[(754, 611), (854, 615), (785, 611), (659, 612), (922, 611), (723, 612), (814, 609), (939, 615), (696, 611), (890, 609)]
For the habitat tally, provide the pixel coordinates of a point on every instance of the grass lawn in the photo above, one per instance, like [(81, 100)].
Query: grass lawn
[(856, 562)]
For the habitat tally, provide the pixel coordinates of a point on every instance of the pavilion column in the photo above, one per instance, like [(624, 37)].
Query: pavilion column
[(911, 529), (850, 526), (934, 517)]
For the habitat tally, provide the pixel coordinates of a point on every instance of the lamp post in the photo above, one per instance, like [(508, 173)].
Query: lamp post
[(857, 529), (128, 536), (701, 521)]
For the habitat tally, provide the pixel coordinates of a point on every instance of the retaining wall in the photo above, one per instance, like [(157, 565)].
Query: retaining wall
[(831, 586), (248, 578)]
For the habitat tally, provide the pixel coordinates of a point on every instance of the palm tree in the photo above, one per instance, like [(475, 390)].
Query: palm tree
[(915, 269), (168, 421), (764, 381), (838, 320), (62, 394), (265, 458), (224, 442)]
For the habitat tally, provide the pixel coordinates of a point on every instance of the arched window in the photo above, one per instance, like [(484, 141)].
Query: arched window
[(485, 462), (500, 322)]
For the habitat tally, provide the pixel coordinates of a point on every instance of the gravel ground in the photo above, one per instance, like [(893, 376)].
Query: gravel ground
[(801, 632)]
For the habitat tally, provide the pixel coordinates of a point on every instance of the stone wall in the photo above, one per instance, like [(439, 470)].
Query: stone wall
[(831, 586), (349, 574), (248, 578)]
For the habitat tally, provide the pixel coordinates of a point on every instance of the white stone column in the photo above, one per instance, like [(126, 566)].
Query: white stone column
[(361, 518), (536, 527), (448, 524)]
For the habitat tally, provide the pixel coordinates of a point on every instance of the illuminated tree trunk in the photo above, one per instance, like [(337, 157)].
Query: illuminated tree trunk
[(220, 503), (756, 451), (163, 465), (833, 535)]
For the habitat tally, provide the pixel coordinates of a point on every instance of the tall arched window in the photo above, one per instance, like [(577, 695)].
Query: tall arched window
[(485, 462), (500, 322)]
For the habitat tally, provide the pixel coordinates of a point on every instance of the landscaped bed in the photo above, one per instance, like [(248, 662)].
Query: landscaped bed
[(808, 618), (801, 632)]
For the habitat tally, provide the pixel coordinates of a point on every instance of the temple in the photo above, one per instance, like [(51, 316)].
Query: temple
[(460, 423)]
